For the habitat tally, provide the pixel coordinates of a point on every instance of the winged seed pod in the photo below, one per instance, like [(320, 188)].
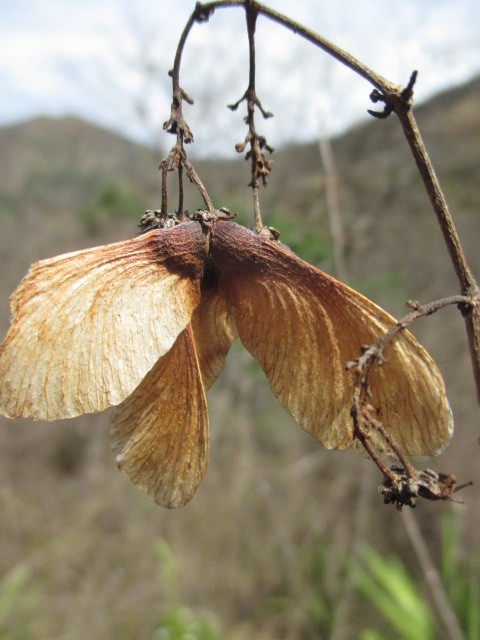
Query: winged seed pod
[(146, 324)]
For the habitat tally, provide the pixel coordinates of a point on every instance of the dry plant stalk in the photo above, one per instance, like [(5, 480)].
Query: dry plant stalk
[(146, 324)]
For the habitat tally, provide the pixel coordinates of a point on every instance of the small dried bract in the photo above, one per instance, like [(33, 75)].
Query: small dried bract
[(403, 489)]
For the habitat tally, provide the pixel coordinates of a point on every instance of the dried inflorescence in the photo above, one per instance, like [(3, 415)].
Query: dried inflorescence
[(402, 486), (146, 324)]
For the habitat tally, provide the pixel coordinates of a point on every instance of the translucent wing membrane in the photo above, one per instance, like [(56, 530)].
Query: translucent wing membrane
[(302, 326), (160, 433), (87, 326)]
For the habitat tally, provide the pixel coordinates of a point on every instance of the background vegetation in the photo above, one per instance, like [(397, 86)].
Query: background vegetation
[(283, 539)]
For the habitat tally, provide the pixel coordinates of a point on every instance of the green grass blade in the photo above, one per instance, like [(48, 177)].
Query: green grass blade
[(387, 585)]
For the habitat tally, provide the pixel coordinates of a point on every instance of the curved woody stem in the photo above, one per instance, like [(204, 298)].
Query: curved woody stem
[(468, 284), (336, 52)]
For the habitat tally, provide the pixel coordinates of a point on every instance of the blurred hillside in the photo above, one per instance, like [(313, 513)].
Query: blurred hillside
[(96, 180), (261, 550)]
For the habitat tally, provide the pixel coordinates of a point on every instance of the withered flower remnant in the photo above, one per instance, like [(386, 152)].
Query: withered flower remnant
[(146, 324)]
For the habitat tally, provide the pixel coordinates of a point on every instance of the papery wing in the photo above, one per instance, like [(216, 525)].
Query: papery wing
[(303, 326), (87, 326), (160, 433), (214, 330)]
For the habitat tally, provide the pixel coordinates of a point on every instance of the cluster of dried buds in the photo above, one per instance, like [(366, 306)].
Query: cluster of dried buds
[(145, 324), (402, 487)]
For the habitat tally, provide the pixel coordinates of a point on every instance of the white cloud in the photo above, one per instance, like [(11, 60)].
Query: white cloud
[(83, 58)]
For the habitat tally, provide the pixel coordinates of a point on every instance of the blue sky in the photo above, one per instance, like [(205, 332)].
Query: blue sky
[(88, 58)]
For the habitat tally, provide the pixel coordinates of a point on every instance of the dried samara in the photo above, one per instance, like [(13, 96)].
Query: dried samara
[(145, 325)]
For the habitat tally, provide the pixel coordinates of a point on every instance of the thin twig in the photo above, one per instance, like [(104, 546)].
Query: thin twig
[(342, 614), (402, 485), (373, 353), (194, 179), (177, 123), (180, 190), (177, 158), (442, 605), (336, 52), (260, 166), (164, 170), (333, 207), (361, 515), (439, 204), (468, 284), (251, 17)]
